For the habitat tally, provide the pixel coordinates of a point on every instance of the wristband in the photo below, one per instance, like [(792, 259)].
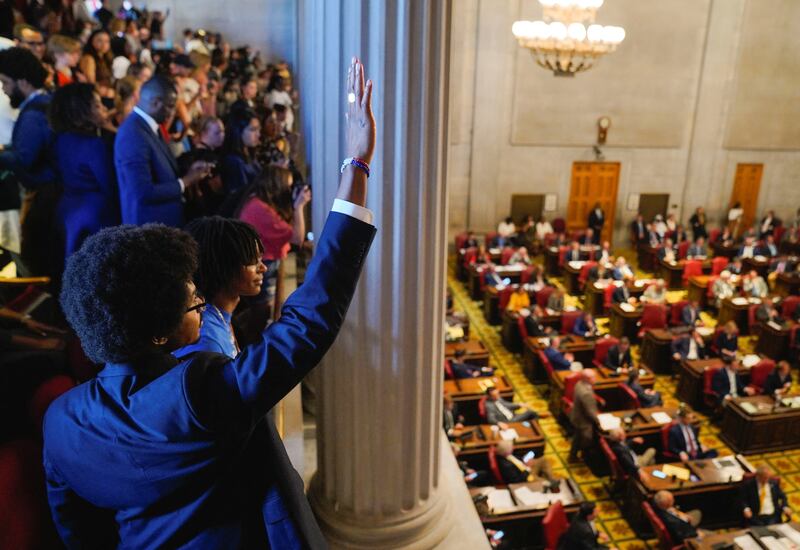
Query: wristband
[(357, 162)]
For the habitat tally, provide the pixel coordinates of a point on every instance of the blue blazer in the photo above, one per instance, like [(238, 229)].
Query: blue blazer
[(30, 156), (580, 327), (148, 176), (557, 359), (237, 174), (90, 198), (166, 454)]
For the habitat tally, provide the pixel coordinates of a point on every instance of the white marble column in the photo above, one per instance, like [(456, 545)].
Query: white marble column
[(378, 483)]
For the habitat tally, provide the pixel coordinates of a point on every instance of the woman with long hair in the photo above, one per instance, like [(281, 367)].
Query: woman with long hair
[(96, 64), (83, 154), (240, 166)]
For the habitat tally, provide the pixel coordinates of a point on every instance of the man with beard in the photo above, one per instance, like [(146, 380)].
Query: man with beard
[(28, 157)]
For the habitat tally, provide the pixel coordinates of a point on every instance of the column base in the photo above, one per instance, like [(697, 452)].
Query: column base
[(447, 520)]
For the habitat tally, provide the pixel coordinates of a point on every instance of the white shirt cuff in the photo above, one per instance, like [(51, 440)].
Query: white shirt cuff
[(352, 210), (183, 185)]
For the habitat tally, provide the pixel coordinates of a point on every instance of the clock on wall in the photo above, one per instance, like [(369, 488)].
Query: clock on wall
[(603, 124)]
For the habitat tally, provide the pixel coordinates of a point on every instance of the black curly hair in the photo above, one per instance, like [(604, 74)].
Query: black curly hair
[(225, 246), (20, 64), (127, 285), (72, 109)]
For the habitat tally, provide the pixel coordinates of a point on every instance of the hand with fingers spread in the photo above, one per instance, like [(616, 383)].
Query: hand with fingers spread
[(360, 123)]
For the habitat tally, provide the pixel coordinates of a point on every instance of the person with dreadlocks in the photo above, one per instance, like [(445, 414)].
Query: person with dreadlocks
[(229, 266)]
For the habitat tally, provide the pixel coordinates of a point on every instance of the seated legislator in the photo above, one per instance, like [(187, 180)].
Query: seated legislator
[(769, 249), (684, 439), (666, 252), (574, 252), (533, 322), (735, 267), (558, 360), (727, 383), (619, 356), (582, 533), (491, 278), (588, 237), (465, 370), (506, 231), (630, 461), (698, 250), (518, 300), (779, 381), (748, 248), (763, 501), (653, 237), (555, 302), (520, 256), (499, 411), (622, 294), (767, 312), (648, 397), (722, 288), (754, 285), (680, 525), (622, 271), (726, 238), (585, 326), (598, 272), (514, 470), (690, 314), (728, 340), (452, 422), (656, 293), (177, 453), (603, 255), (689, 346), (537, 280)]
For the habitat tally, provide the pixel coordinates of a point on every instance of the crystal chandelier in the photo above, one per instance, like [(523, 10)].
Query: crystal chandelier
[(568, 41)]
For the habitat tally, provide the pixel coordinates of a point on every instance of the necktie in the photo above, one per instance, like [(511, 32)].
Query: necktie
[(762, 495), (692, 448), (504, 411)]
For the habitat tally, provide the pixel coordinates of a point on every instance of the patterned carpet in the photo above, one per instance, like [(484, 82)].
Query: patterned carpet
[(787, 464)]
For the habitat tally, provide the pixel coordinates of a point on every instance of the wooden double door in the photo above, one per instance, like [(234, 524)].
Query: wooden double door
[(593, 183)]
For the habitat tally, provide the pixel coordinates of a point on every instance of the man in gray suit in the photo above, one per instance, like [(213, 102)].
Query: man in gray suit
[(583, 414), (499, 411)]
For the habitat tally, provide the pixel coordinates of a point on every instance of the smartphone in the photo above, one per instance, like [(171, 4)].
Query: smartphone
[(528, 456), (497, 536), (310, 236), (659, 474), (471, 476)]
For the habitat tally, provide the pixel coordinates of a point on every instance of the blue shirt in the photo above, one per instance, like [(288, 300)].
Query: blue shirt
[(215, 335)]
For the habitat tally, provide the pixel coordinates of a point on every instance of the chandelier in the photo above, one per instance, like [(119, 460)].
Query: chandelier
[(568, 41)]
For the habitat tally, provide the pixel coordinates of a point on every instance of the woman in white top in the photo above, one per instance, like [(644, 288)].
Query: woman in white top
[(543, 227), (505, 230), (659, 226), (735, 218), (278, 94)]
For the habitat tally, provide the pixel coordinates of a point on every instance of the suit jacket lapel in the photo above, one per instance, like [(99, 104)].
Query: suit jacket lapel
[(158, 143)]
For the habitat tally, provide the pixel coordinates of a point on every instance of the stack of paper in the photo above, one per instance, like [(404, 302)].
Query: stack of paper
[(787, 531), (627, 307), (509, 434), (748, 408), (661, 417), (750, 360), (576, 264), (608, 421), (771, 543), (746, 542), (739, 301), (499, 500)]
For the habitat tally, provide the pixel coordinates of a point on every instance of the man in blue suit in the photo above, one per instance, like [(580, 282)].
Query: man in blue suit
[(558, 360), (684, 439), (149, 184), (158, 452)]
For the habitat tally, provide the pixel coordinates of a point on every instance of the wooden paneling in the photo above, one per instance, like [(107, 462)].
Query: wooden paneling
[(593, 182), (522, 205), (651, 204), (746, 186)]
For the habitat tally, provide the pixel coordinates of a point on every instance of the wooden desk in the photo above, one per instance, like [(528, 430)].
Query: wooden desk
[(657, 350), (642, 423), (467, 392), (509, 332), (672, 273), (733, 310), (698, 287), (729, 251), (719, 540), (759, 264), (571, 272), (648, 256), (581, 348), (551, 259), (690, 384), (606, 386), (774, 341), (712, 490), (787, 284), (475, 272), (522, 524), (624, 323), (475, 353), (474, 445), (491, 300), (769, 429)]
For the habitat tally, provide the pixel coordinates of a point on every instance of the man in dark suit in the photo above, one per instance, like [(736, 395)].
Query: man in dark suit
[(684, 439), (768, 225), (698, 250), (763, 501), (629, 459), (638, 229), (499, 411), (689, 346), (766, 312), (596, 221), (582, 534), (588, 238), (574, 252), (514, 470), (769, 249), (622, 294), (690, 314), (149, 184), (735, 267), (558, 360), (727, 383), (452, 422), (619, 356), (666, 252), (681, 525), (533, 323), (598, 272), (648, 397), (182, 453), (779, 380)]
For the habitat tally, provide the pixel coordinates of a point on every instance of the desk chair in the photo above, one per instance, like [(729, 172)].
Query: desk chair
[(525, 276), (554, 525), (618, 476), (753, 326), (759, 374), (546, 364), (710, 397), (559, 225), (675, 311), (601, 348), (630, 397), (692, 268), (505, 255), (718, 265), (653, 316), (789, 306), (665, 452), (584, 274), (523, 330), (713, 235), (490, 239), (562, 255), (482, 409), (493, 467), (568, 319), (664, 538), (448, 370), (683, 250), (608, 297), (503, 296), (778, 233)]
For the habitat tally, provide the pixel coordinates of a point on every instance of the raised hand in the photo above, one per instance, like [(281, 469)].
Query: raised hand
[(360, 122)]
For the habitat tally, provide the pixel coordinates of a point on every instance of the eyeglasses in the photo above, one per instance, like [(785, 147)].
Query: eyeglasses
[(197, 307)]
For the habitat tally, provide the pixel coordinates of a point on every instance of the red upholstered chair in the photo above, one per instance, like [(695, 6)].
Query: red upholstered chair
[(470, 256), (753, 326), (601, 348), (482, 408), (569, 393), (523, 330), (45, 394), (759, 373), (546, 364), (549, 238), (608, 293), (710, 289), (718, 265), (490, 239), (629, 396), (461, 238), (653, 316), (504, 295), (710, 397), (692, 268), (525, 276), (505, 255), (543, 295), (559, 225), (675, 311), (562, 254), (584, 274), (789, 306), (568, 319), (554, 525), (618, 476), (448, 370), (714, 235), (493, 467), (664, 538), (683, 249), (778, 233), (665, 453)]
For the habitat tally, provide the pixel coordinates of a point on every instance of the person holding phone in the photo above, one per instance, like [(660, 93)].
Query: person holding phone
[(582, 533), (514, 470)]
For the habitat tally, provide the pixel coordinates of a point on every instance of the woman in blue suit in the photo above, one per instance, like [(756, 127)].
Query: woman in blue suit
[(83, 154)]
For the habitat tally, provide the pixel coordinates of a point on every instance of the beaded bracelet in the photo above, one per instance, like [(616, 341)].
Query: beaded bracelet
[(357, 162)]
